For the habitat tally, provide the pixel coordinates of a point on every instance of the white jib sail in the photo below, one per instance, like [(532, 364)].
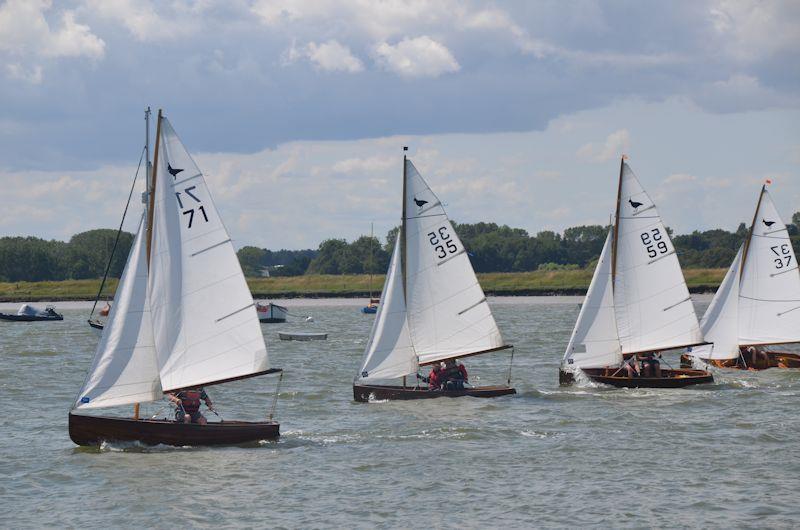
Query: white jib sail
[(389, 353), (769, 294), (653, 308), (204, 319), (124, 369), (448, 315), (594, 342), (720, 323)]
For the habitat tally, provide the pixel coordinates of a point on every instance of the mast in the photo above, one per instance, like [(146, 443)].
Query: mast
[(371, 257), (150, 189), (152, 197), (616, 226), (403, 229), (750, 232)]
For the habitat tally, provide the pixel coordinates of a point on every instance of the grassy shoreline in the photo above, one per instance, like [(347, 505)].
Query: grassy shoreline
[(536, 283)]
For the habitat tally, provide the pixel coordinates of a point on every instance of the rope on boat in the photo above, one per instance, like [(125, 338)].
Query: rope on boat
[(510, 364), (275, 399), (119, 233)]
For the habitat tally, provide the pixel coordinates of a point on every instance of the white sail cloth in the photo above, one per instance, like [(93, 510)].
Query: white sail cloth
[(204, 319), (758, 302), (594, 342), (31, 311), (653, 308), (124, 369), (432, 306)]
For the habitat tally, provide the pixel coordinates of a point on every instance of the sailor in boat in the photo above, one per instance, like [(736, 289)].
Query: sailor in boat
[(188, 403), (755, 357), (434, 378), (454, 375), (651, 366)]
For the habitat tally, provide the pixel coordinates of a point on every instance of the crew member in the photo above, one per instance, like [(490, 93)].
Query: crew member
[(188, 402)]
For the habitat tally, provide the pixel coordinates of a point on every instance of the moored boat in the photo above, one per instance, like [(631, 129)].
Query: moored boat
[(29, 313), (757, 304), (270, 313), (637, 305), (432, 306), (183, 317), (301, 335)]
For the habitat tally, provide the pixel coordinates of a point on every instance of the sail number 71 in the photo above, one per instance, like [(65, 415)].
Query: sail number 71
[(442, 243), (190, 211), (784, 256)]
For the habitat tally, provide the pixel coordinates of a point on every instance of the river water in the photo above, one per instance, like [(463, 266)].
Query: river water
[(715, 456)]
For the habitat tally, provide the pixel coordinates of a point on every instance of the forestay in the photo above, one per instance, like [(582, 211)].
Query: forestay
[(448, 315), (124, 369), (389, 353), (769, 294), (204, 320), (652, 304), (594, 342)]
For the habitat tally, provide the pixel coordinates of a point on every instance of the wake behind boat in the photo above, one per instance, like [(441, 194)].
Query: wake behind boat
[(758, 303), (637, 304), (183, 318), (432, 308), (29, 313)]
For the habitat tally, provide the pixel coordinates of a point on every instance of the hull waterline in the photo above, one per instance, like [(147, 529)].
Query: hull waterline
[(669, 379), (93, 430), (365, 393), (29, 318)]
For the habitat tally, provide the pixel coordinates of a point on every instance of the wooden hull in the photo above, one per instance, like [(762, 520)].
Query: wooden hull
[(96, 324), (668, 379), (776, 360), (93, 430), (363, 393), (271, 320), (302, 336), (29, 318)]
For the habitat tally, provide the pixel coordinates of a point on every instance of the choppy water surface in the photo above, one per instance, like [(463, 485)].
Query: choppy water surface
[(718, 455)]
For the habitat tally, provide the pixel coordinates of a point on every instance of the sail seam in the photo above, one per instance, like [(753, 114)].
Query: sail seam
[(186, 180), (766, 236), (424, 216), (212, 246), (473, 306), (445, 260), (642, 211), (661, 257), (782, 272), (789, 311), (235, 312), (784, 229), (676, 304), (766, 300), (429, 208)]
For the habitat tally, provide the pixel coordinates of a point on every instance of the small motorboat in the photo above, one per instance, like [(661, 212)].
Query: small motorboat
[(291, 335), (29, 313), (270, 313), (372, 307)]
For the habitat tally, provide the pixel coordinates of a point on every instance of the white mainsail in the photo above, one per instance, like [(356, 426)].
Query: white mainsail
[(720, 323), (389, 353), (594, 342), (124, 370), (653, 308), (769, 293), (432, 306), (448, 315), (204, 320)]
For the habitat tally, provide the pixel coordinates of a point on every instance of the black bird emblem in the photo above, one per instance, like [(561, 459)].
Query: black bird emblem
[(634, 204), (768, 223), (420, 203), (173, 172)]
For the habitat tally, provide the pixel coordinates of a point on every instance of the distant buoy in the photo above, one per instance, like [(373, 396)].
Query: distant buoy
[(309, 319)]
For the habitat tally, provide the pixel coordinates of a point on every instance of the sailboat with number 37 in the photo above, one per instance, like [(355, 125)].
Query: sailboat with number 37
[(432, 307), (183, 317)]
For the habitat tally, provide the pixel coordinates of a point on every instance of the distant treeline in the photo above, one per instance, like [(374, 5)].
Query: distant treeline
[(491, 248)]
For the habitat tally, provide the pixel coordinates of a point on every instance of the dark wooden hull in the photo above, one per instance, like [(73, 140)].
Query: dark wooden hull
[(95, 324), (363, 393), (777, 359), (272, 320), (29, 318), (669, 378), (93, 430)]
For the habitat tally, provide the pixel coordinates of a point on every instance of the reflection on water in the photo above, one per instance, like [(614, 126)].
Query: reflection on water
[(714, 455)]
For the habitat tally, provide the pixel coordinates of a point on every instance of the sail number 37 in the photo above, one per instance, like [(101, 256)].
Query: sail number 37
[(784, 256), (442, 243), (654, 243), (190, 211)]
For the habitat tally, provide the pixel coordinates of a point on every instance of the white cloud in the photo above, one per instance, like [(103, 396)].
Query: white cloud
[(614, 146), (751, 29), (27, 37), (329, 56), (419, 57), (740, 92), (679, 177), (149, 21)]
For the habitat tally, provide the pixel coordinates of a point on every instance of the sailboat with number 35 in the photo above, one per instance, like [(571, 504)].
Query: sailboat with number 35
[(432, 307), (183, 317), (637, 304)]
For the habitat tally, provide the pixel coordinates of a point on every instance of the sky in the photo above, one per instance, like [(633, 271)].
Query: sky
[(297, 110)]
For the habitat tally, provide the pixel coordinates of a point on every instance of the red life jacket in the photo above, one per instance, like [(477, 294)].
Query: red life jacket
[(190, 400)]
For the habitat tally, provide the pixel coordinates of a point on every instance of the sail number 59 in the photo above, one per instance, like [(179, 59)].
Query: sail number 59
[(442, 243), (653, 243), (784, 256)]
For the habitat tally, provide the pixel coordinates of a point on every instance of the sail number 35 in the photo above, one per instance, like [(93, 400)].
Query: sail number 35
[(654, 243), (190, 211), (784, 256), (442, 243)]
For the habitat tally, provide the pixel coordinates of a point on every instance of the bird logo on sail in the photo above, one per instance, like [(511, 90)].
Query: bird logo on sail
[(635, 205), (767, 223), (420, 203), (364, 373), (173, 172)]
